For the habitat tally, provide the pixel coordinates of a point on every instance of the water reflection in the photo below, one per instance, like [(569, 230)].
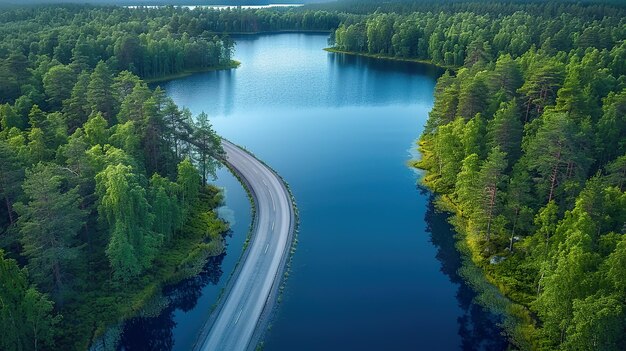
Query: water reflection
[(188, 303), (376, 266), (370, 85), (297, 73), (477, 327), (156, 333)]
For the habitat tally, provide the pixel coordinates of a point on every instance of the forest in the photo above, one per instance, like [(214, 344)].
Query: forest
[(526, 144), (103, 180)]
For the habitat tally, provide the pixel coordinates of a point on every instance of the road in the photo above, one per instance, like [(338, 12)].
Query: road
[(251, 292)]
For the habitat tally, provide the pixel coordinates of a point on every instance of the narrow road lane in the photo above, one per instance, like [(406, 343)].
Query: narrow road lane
[(252, 290)]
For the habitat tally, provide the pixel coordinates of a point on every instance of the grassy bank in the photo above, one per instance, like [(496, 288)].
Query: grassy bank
[(391, 58), (186, 73), (492, 290)]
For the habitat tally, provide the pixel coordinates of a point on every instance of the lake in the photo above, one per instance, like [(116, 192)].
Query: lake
[(375, 266)]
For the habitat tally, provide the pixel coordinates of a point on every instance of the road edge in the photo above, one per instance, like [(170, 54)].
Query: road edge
[(271, 301), (219, 304)]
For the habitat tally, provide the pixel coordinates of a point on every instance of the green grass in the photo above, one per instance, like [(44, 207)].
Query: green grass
[(186, 73)]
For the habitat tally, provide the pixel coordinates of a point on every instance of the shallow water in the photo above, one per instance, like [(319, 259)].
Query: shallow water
[(376, 265)]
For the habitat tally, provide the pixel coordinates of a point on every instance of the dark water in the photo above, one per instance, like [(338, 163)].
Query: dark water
[(177, 326), (376, 265)]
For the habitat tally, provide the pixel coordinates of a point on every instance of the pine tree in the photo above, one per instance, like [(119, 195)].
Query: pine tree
[(126, 137), (37, 118), (207, 146), (491, 178), (507, 76), (572, 97), (610, 138), (546, 221), (49, 222), (541, 86), (132, 107), (617, 173), (449, 153), (81, 173), (37, 148), (11, 175), (76, 107), (178, 125), (605, 205), (478, 53), (519, 202), (58, 83), (557, 155), (124, 84), (100, 92), (446, 102), (467, 190), (22, 107), (472, 97), (474, 136), (505, 130), (153, 135)]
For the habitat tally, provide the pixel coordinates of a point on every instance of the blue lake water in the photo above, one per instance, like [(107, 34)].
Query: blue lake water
[(375, 266)]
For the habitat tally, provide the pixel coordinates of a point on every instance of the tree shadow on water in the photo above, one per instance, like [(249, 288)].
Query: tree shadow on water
[(156, 333), (478, 328)]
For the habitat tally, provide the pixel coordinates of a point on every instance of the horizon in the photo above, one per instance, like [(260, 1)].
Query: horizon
[(162, 2)]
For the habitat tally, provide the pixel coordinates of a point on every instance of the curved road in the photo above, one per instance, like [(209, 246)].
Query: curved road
[(251, 292)]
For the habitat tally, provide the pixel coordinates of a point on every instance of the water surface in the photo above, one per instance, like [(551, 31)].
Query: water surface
[(375, 266)]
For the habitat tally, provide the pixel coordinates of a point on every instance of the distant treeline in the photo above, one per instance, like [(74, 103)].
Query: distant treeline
[(451, 39), (157, 2), (596, 8), (148, 42), (142, 43)]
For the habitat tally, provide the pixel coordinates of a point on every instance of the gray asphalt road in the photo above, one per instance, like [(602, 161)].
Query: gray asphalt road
[(236, 318)]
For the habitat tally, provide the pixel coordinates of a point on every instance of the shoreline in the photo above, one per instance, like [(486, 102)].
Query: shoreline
[(274, 298), (391, 58), (282, 31), (233, 65), (517, 319), (143, 298)]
